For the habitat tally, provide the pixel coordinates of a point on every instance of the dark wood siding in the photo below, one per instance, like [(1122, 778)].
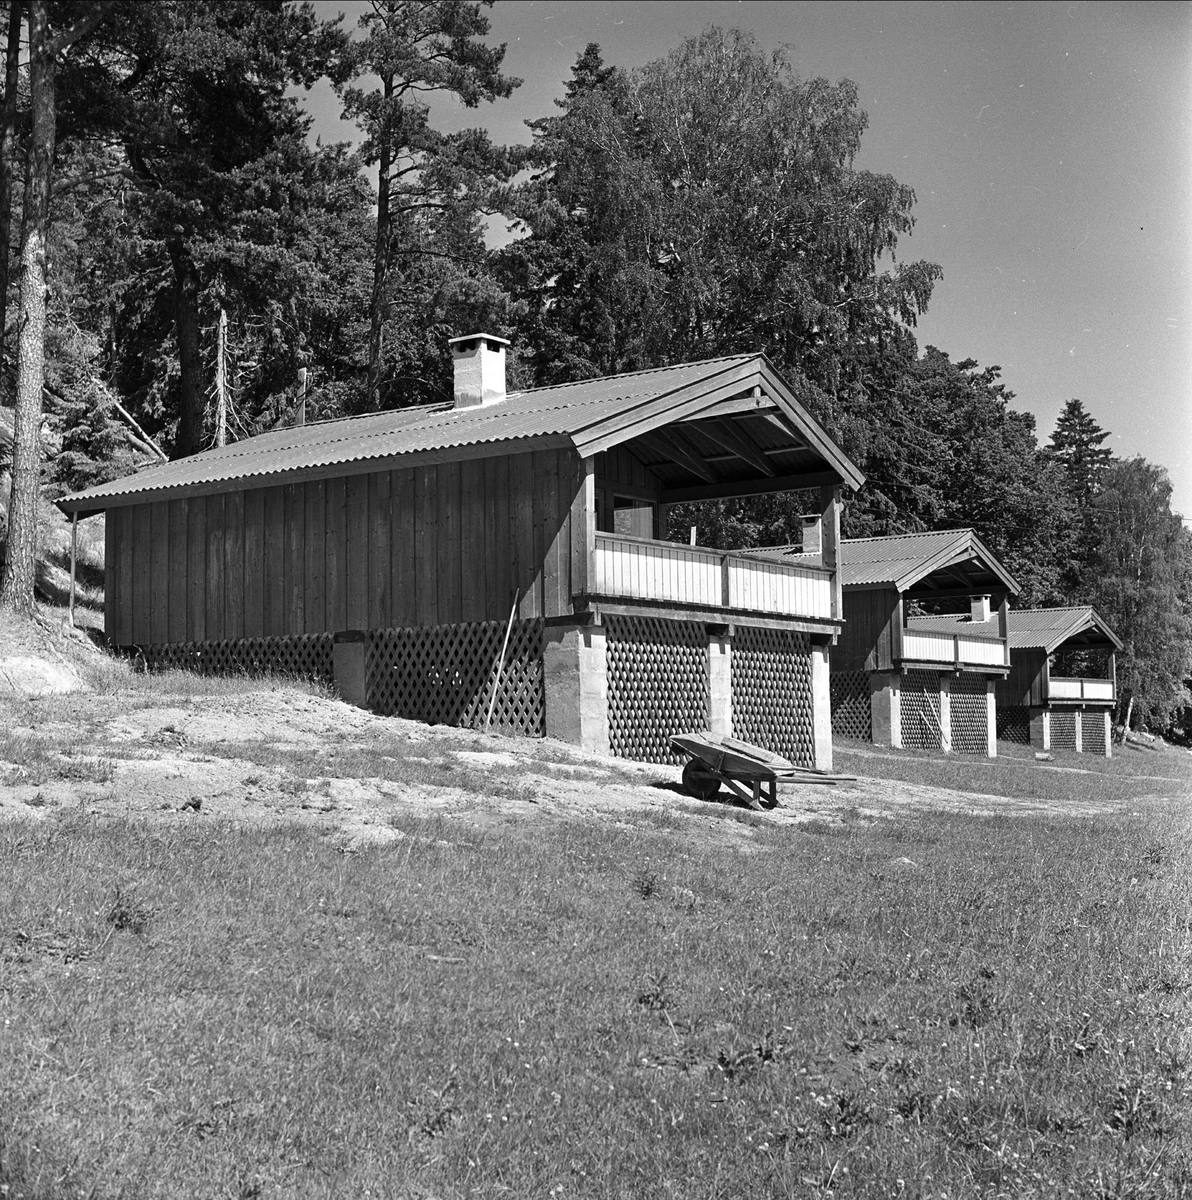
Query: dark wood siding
[(1024, 684), (426, 545), (866, 642)]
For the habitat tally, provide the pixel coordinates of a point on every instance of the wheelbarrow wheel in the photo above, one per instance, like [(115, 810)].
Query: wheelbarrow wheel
[(698, 781)]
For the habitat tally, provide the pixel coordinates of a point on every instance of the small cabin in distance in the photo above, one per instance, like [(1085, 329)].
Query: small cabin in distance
[(504, 551), (918, 682), (1062, 685)]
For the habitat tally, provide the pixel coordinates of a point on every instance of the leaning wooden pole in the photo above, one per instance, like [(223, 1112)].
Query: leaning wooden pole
[(492, 700), (74, 556)]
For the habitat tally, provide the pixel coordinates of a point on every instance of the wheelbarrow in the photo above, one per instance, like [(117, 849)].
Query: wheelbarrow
[(714, 759)]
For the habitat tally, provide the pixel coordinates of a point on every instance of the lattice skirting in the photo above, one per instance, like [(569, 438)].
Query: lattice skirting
[(1014, 723), (443, 675), (852, 708), (773, 704), (307, 656), (657, 685), (970, 715), (919, 709), (1092, 732), (1063, 731)]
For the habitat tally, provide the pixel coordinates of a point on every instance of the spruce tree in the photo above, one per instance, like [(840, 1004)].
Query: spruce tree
[(1076, 444)]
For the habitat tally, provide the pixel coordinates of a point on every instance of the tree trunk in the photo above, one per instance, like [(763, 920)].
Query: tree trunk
[(376, 308), (8, 121), (16, 583), (192, 406), (221, 380)]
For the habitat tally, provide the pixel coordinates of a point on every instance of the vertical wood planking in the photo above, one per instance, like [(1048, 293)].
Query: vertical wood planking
[(234, 565), (254, 563), (158, 552), (276, 600), (426, 529), (356, 552), (336, 541), (314, 559), (498, 539), (116, 598), (475, 554), (141, 569), (215, 567), (196, 574), (379, 550), (448, 545), (521, 529), (294, 562), (403, 609), (176, 567)]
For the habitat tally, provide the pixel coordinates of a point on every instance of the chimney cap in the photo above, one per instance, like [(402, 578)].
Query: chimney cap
[(475, 337)]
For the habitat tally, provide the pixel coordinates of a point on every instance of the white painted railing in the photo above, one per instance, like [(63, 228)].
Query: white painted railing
[(639, 569), (1079, 689), (953, 648)]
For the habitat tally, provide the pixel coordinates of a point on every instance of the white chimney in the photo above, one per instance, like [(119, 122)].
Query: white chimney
[(479, 361), (980, 609), (812, 534)]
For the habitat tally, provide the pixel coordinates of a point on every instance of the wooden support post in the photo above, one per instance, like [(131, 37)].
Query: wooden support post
[(945, 713), (74, 553), (830, 542), (1003, 626)]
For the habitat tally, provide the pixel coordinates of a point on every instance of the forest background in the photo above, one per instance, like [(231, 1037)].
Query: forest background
[(187, 267)]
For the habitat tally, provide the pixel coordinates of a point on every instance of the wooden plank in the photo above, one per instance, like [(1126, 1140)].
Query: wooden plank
[(498, 539), (583, 528), (294, 561), (379, 550), (196, 575), (545, 500), (254, 563), (749, 487), (403, 507), (215, 568), (276, 599), (448, 545), (117, 575), (426, 536), (176, 568), (336, 543), (476, 554), (356, 552), (234, 565), (527, 574), (314, 557), (159, 573), (141, 632)]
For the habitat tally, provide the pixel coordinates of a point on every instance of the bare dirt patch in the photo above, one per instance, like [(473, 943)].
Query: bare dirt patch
[(275, 754)]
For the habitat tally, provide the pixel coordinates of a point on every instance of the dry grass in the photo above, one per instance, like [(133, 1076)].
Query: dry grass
[(931, 1006)]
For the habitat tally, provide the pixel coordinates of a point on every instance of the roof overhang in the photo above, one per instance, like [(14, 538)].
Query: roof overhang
[(1085, 630)]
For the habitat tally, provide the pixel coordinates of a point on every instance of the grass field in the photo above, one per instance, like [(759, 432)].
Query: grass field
[(933, 1005)]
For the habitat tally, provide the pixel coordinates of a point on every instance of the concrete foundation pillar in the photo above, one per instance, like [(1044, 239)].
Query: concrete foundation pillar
[(946, 713), (991, 718), (1078, 721), (1041, 728), (821, 698), (575, 675), (885, 713), (348, 652), (1108, 735), (720, 684)]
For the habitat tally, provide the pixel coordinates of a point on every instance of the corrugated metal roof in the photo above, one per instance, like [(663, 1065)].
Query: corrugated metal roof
[(904, 559), (954, 623), (1048, 628), (574, 410)]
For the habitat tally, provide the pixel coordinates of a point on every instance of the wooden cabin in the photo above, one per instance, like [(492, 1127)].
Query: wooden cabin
[(1068, 709), (503, 553), (917, 682)]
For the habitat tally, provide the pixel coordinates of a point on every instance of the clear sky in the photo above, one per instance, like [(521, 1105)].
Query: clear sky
[(1049, 145)]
